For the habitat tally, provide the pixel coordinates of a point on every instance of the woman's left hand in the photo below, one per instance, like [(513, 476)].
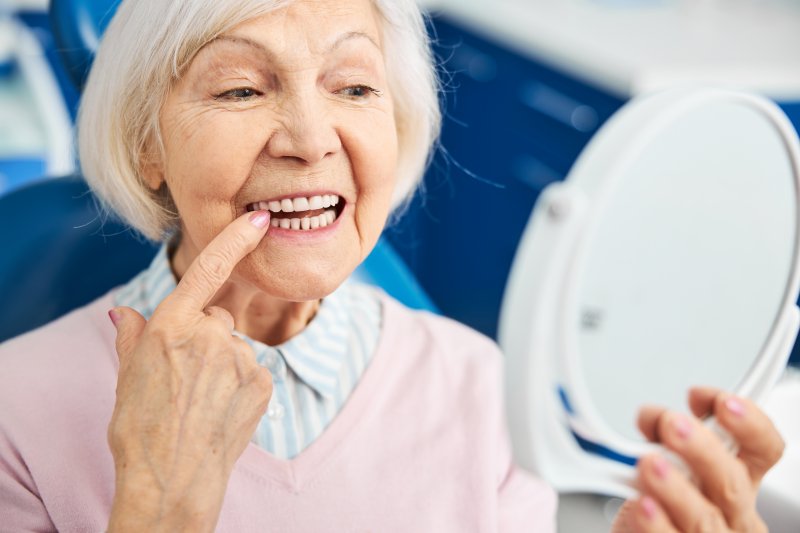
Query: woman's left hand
[(721, 496)]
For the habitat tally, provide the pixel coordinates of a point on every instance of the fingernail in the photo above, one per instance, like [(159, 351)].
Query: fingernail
[(734, 406), (649, 507), (259, 219), (682, 426), (115, 316), (661, 466)]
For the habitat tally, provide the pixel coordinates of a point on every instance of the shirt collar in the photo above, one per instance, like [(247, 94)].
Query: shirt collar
[(315, 354), (149, 287)]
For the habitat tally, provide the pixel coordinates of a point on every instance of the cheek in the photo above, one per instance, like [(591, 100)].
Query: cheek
[(210, 157), (373, 154), (377, 190)]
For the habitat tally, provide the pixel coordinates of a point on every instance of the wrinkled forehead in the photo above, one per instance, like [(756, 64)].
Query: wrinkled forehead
[(308, 28)]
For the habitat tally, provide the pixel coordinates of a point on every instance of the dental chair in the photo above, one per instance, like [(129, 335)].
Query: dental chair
[(58, 253)]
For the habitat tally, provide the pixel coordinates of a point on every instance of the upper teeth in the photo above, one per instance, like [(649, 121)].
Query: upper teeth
[(302, 203)]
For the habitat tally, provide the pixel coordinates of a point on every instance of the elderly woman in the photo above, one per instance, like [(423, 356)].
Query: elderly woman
[(246, 384)]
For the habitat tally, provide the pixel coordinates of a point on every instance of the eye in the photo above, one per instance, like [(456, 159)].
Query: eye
[(358, 92), (241, 93)]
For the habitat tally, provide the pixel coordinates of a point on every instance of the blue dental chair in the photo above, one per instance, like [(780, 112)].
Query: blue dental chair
[(57, 251)]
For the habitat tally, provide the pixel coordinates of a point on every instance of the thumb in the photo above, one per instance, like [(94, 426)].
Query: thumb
[(129, 324)]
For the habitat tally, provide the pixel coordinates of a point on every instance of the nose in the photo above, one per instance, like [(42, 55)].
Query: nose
[(306, 132)]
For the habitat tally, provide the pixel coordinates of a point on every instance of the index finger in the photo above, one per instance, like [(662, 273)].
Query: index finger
[(213, 266)]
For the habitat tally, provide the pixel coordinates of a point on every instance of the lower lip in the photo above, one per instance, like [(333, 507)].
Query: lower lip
[(309, 235)]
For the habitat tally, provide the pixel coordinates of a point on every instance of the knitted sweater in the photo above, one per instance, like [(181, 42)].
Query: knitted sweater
[(419, 446)]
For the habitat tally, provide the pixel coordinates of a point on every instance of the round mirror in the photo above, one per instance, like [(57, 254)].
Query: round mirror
[(684, 267), (667, 259)]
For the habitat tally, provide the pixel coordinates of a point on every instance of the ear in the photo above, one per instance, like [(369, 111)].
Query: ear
[(152, 168), (153, 175)]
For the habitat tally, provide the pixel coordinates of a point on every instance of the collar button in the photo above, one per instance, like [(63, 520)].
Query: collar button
[(276, 410), (270, 359)]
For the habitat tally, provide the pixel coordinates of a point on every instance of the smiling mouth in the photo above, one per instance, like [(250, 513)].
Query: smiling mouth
[(302, 213)]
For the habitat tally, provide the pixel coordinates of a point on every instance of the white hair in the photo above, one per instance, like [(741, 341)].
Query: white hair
[(146, 48)]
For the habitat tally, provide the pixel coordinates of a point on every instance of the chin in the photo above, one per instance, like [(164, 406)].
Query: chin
[(298, 280)]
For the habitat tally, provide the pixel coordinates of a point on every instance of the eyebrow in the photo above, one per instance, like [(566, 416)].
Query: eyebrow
[(260, 46), (352, 35)]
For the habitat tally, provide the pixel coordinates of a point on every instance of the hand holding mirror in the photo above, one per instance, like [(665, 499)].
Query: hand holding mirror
[(668, 258)]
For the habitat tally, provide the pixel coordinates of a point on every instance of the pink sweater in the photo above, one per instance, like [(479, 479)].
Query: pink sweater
[(420, 446)]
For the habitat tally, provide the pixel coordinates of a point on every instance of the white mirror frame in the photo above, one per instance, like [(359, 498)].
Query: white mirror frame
[(539, 424)]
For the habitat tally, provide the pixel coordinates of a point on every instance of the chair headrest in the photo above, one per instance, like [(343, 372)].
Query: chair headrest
[(77, 28), (66, 256)]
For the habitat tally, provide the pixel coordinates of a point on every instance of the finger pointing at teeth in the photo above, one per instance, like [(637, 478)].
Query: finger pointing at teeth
[(189, 393), (212, 268)]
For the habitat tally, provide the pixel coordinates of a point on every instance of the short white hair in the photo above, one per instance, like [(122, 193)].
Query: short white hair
[(147, 47)]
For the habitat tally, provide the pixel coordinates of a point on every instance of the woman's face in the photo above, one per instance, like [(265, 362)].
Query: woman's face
[(288, 109)]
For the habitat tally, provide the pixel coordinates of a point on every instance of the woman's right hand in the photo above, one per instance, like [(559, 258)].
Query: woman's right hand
[(189, 396)]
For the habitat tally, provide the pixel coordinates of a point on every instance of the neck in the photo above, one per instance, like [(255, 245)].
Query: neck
[(262, 317), (258, 315)]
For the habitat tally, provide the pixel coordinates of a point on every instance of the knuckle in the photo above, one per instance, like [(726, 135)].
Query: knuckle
[(162, 334), (214, 327), (663, 427), (736, 490), (245, 359), (242, 348), (237, 241), (719, 402), (263, 379), (219, 313), (769, 453), (645, 464), (213, 266), (709, 520), (252, 373), (776, 451)]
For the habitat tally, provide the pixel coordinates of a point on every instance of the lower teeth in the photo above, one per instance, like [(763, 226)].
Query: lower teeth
[(306, 223)]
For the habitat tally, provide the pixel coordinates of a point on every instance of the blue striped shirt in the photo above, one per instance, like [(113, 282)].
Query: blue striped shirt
[(313, 373)]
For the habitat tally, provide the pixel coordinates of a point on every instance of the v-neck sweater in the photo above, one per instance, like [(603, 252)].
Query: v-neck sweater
[(420, 445), (313, 372)]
